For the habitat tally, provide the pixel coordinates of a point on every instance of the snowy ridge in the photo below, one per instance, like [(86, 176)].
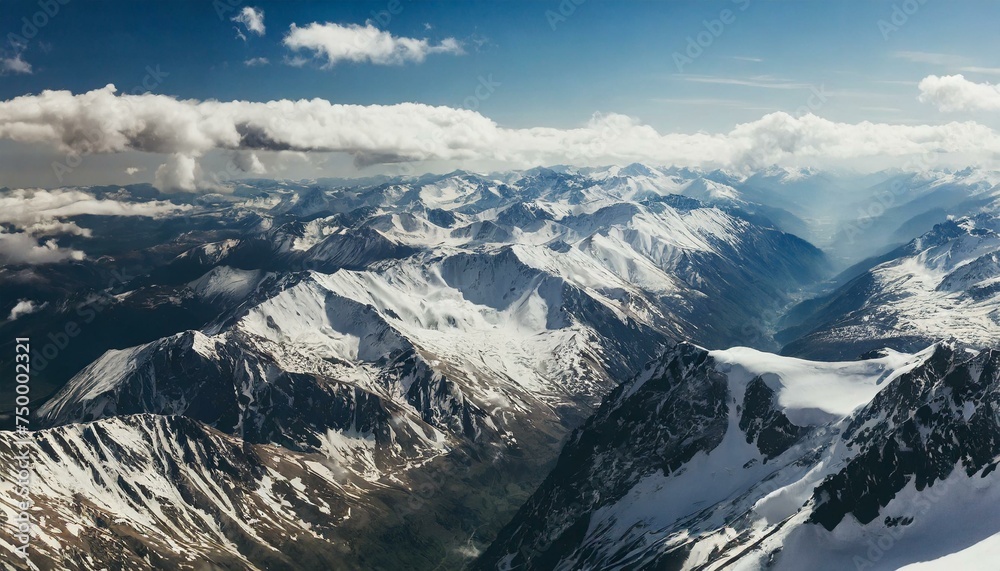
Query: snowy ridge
[(941, 285), (229, 381), (733, 460), (143, 492)]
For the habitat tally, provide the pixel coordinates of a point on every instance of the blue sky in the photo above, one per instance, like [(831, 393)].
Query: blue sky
[(608, 57)]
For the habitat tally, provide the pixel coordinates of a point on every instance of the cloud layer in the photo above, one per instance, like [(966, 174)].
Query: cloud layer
[(101, 121), (955, 93), (334, 43), (33, 216), (21, 248), (36, 210)]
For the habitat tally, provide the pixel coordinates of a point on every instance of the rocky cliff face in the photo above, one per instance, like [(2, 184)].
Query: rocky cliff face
[(715, 459)]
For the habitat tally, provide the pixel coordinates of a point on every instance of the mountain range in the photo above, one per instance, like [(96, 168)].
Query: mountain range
[(559, 368)]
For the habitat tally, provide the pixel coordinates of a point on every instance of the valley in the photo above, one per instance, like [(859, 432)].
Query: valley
[(500, 370)]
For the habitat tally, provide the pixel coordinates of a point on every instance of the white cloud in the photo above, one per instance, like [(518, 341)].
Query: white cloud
[(180, 172), (983, 70), (24, 307), (930, 58), (132, 171), (101, 121), (764, 82), (252, 19), (334, 43), (26, 207), (21, 248), (955, 93), (249, 163), (296, 61), (14, 64), (256, 61), (37, 214), (55, 228)]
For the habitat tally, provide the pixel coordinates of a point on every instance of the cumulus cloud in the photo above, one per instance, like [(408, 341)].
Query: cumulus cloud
[(252, 19), (14, 64), (24, 307), (179, 173), (35, 209), (256, 61), (955, 93), (102, 121), (55, 228), (335, 43), (249, 163), (22, 248), (31, 217)]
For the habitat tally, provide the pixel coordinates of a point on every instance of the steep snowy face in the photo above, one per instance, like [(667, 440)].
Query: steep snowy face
[(159, 492), (233, 384), (743, 460), (677, 409), (942, 285), (938, 419)]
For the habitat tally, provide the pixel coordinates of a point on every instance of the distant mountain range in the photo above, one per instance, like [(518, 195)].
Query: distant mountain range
[(553, 368)]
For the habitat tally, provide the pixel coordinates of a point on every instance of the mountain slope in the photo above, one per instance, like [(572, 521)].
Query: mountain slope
[(150, 492), (939, 286), (741, 460)]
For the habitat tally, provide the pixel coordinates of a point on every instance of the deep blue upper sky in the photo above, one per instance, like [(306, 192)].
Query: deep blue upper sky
[(605, 56), (551, 63)]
